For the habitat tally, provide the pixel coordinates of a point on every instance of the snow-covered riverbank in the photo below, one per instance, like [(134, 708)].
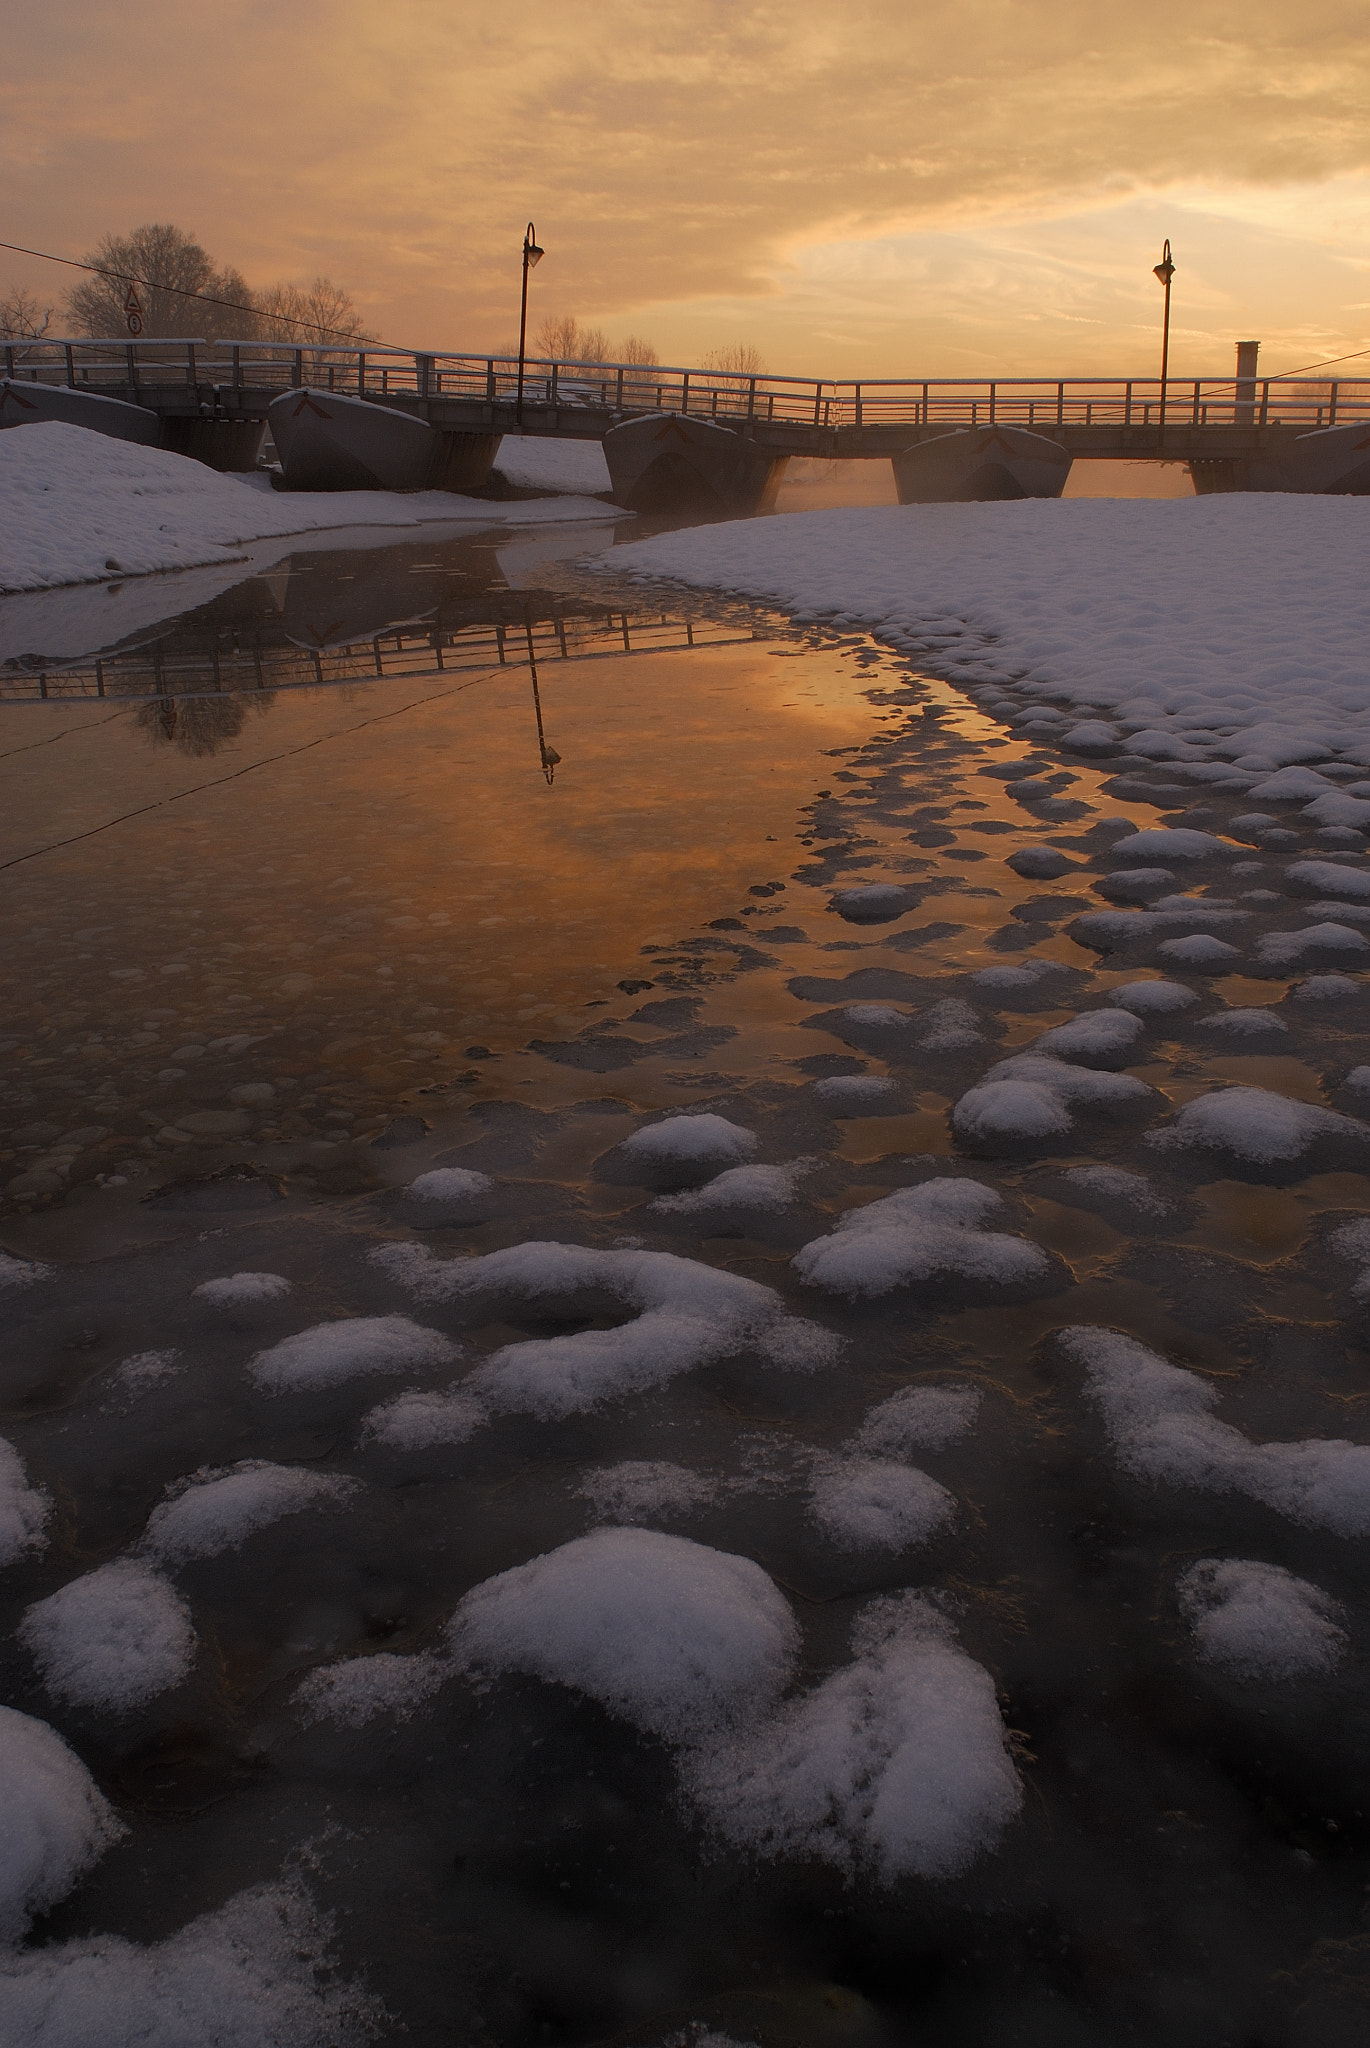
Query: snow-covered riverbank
[(1216, 630), (77, 507)]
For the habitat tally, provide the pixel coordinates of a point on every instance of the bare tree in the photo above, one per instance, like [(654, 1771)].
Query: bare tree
[(175, 280), (318, 312), (636, 350), (23, 317), (564, 340)]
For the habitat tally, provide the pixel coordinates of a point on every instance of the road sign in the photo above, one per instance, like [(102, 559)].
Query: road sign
[(133, 313)]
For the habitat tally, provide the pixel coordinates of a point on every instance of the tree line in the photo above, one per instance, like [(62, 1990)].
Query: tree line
[(182, 292)]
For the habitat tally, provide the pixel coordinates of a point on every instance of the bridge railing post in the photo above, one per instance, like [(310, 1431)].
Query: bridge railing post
[(991, 402), (751, 398), (1332, 405), (685, 391), (297, 368), (857, 397), (132, 353), (618, 394)]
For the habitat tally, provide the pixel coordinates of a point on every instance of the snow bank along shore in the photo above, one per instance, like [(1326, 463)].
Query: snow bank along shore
[(1227, 636), (78, 507)]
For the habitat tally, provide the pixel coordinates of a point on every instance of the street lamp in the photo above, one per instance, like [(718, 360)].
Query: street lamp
[(532, 256), (1164, 270)]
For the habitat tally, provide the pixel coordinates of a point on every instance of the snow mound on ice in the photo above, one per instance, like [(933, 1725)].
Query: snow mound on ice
[(449, 1184), (1158, 1422), (114, 1638), (329, 1353), (1031, 1096), (1198, 949), (1117, 1184), (643, 1489), (217, 1510), (253, 1974), (877, 1504), (1161, 844), (1259, 1621), (1152, 998), (918, 1236), (24, 1509), (855, 1094), (1330, 878), (358, 1689), (1253, 1124), (895, 1766), (57, 1823), (1244, 1024), (917, 1418), (22, 1272), (738, 1187), (1287, 949), (1094, 1035), (242, 1290), (691, 1139), (677, 1638)]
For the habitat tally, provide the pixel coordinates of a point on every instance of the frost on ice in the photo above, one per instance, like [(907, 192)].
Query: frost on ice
[(1259, 1621), (56, 1822), (24, 1509), (356, 1690), (242, 1290), (896, 1766), (677, 1638), (114, 1638), (1159, 1424), (917, 1418), (645, 1489), (738, 1187), (332, 1352), (922, 1236), (865, 1503)]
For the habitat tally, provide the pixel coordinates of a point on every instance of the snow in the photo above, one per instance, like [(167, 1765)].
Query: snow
[(1162, 843), (1096, 1035), (1153, 998), (684, 1315), (895, 1766), (949, 1026), (691, 1139), (919, 1236), (1258, 1621), (1255, 1125), (917, 1418), (1039, 863), (252, 1974), (1158, 1423), (856, 1094), (740, 1187), (57, 1823), (24, 1508), (359, 1689), (1329, 878), (22, 1272), (148, 1369), (874, 903), (78, 507), (1289, 949), (639, 1489), (213, 1511), (1325, 988), (1244, 1024), (1225, 627), (1117, 1184), (533, 462), (115, 1637), (1031, 1097), (242, 1290), (865, 1503), (1198, 949), (449, 1184), (677, 1638), (331, 1352)]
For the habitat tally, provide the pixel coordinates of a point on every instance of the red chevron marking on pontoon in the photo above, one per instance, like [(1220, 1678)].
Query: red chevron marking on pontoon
[(313, 406), (9, 393)]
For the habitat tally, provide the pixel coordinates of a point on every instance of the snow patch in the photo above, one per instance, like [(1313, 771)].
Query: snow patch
[(113, 1638), (1259, 1621)]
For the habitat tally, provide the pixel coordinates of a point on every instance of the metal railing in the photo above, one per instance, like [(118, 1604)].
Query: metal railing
[(623, 389)]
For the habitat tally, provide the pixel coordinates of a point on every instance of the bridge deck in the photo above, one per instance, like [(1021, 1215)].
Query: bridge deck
[(1090, 416)]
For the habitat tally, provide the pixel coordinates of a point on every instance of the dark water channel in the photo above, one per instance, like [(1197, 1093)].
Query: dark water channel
[(375, 866)]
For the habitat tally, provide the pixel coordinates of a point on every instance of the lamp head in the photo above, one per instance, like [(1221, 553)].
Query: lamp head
[(532, 255), (1165, 269)]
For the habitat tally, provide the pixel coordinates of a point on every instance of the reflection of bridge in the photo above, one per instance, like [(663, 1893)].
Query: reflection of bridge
[(1200, 418)]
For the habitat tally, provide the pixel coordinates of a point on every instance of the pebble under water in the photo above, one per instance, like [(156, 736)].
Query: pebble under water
[(743, 1419)]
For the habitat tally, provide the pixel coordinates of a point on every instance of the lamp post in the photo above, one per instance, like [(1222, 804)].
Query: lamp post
[(532, 256), (1164, 270)]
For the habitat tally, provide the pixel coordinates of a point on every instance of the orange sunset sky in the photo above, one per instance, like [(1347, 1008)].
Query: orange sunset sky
[(868, 188)]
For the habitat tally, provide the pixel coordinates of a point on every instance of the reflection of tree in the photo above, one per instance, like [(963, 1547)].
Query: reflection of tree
[(199, 725)]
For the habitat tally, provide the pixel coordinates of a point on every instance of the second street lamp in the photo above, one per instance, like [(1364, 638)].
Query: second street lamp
[(1164, 270), (532, 256)]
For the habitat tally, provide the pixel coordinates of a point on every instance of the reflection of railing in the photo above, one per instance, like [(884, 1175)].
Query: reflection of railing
[(628, 388), (234, 663)]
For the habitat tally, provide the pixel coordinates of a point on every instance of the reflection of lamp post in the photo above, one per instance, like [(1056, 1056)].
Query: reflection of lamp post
[(532, 256), (1164, 270), (549, 756)]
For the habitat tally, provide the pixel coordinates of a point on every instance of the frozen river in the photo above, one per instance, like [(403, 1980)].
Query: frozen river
[(712, 1388)]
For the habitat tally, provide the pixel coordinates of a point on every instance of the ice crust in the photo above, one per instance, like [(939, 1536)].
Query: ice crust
[(56, 1822), (1158, 1422), (675, 1637), (242, 1290), (252, 1974), (1259, 1621), (24, 1508), (217, 1510), (919, 1236), (329, 1353), (893, 1767), (115, 1637), (1255, 1125), (685, 1315)]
